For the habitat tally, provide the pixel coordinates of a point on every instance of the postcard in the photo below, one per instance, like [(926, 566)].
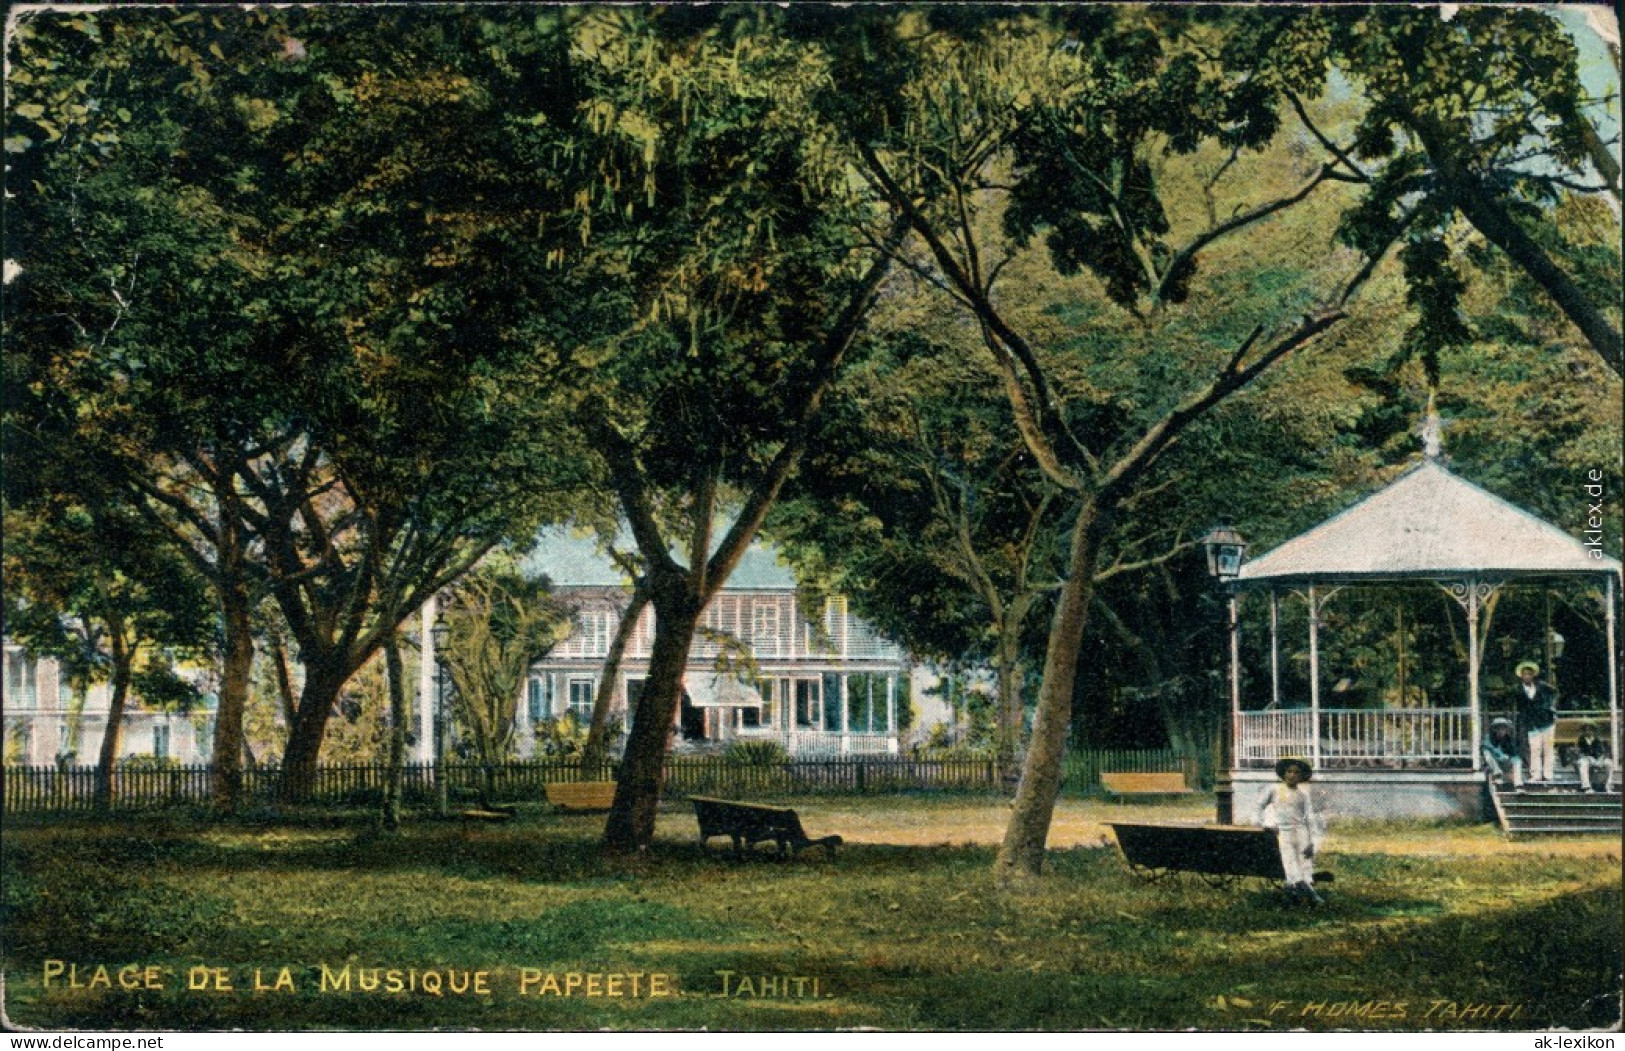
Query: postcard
[(812, 518)]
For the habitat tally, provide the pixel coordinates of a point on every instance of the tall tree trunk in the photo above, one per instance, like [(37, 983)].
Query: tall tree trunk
[(1492, 220), (1011, 673), (284, 677), (226, 783), (592, 753), (316, 702), (1489, 215), (631, 824), (395, 775), (1022, 852), (113, 738)]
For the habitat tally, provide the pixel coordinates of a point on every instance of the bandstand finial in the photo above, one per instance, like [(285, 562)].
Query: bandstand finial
[(1432, 431)]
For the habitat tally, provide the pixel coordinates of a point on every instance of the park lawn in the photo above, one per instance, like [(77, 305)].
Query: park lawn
[(1428, 927)]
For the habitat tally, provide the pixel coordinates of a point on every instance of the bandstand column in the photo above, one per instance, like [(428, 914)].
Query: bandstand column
[(1275, 649), (1474, 712), (1613, 670), (1314, 677)]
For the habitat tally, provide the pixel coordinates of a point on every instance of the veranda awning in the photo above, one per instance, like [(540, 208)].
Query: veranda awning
[(720, 690)]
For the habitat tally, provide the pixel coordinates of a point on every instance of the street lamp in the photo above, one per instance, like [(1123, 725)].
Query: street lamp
[(1225, 548), (440, 633)]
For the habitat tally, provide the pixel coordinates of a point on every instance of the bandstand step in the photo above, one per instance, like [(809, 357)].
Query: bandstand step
[(1549, 810)]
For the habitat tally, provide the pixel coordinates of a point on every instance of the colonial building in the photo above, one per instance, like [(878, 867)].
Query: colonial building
[(762, 666), (45, 725)]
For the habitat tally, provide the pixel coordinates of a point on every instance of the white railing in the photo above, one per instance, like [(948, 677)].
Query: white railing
[(833, 742), (1358, 737), (1264, 737)]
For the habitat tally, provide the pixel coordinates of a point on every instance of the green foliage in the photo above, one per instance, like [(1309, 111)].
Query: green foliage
[(1480, 116), (755, 753), (501, 622), (160, 685), (566, 735), (138, 763)]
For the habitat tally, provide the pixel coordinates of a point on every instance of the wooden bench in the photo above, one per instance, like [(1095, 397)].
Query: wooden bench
[(1161, 784), (483, 815), (1218, 853), (581, 796), (748, 824)]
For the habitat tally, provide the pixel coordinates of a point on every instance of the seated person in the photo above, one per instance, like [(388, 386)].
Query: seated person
[(1501, 753), (1591, 753)]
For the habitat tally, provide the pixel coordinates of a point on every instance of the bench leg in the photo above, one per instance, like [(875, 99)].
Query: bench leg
[(739, 850)]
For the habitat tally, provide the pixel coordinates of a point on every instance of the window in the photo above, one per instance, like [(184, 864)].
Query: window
[(205, 740), (160, 741), (764, 629), (536, 699), (581, 691), (20, 677), (22, 739), (591, 636)]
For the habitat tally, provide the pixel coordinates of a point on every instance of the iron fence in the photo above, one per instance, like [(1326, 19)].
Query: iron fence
[(58, 789)]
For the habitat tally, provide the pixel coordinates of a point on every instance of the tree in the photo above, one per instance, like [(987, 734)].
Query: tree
[(501, 623), (744, 280), (923, 505), (1480, 115), (1063, 118), (302, 349), (88, 584), (122, 265)]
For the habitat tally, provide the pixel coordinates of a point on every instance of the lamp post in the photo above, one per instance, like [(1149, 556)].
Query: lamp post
[(441, 633), (1225, 549)]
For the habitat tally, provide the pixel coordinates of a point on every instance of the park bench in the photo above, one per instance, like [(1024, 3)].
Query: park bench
[(487, 814), (1143, 784), (748, 824), (581, 796), (1216, 853)]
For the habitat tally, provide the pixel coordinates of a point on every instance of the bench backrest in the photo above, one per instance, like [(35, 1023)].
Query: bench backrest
[(592, 794), (1142, 782), (724, 816), (1219, 850)]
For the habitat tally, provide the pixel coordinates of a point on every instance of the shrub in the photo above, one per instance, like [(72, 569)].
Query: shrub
[(755, 753)]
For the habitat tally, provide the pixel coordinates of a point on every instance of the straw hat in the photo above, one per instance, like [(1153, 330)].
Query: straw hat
[(1531, 665), (1503, 721), (1297, 761)]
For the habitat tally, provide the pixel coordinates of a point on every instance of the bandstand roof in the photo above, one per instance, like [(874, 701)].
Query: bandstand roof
[(1429, 523)]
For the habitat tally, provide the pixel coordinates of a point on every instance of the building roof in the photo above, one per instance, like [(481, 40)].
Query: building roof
[(1430, 523), (572, 559)]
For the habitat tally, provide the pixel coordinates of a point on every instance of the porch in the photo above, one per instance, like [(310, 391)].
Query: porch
[(799, 743), (1376, 739)]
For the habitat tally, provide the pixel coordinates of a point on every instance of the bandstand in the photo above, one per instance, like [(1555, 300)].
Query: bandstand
[(1428, 527)]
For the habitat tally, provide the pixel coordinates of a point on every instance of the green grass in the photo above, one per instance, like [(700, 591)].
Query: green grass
[(904, 929)]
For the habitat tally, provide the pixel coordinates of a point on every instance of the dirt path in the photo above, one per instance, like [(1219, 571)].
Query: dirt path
[(958, 822)]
